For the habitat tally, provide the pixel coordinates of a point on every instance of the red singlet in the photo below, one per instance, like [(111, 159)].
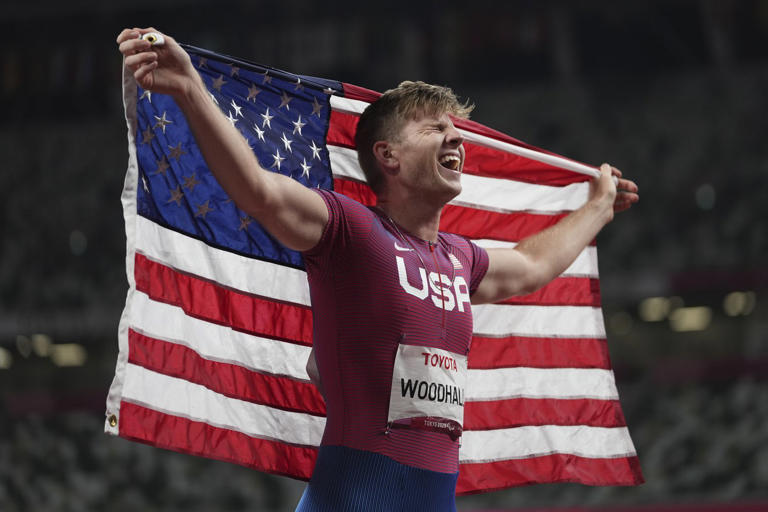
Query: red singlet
[(373, 288)]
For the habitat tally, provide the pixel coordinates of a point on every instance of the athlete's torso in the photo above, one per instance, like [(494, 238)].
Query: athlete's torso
[(373, 288)]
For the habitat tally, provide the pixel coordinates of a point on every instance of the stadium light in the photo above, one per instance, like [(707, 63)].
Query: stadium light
[(739, 303), (68, 354), (654, 309), (6, 359), (41, 345), (695, 318)]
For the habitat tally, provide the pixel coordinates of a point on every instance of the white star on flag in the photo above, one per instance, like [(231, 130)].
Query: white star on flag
[(287, 142), (316, 107), (259, 132), (267, 119), (238, 108), (305, 169), (284, 101), (252, 92), (298, 125), (315, 150), (278, 159)]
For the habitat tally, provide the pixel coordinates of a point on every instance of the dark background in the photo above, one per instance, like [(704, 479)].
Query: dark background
[(674, 93)]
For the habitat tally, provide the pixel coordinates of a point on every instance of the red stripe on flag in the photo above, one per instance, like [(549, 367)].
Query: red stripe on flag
[(494, 163), (145, 425), (360, 192), (563, 291), (216, 304), (476, 223), (491, 476), (356, 92), (465, 221), (513, 351), (517, 412), (479, 161), (227, 379), (341, 129)]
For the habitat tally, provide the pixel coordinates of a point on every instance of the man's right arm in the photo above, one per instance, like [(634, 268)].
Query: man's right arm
[(292, 213)]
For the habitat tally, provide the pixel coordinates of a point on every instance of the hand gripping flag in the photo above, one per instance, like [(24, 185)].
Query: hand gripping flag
[(217, 326)]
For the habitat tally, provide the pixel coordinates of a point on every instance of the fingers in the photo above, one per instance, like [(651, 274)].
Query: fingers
[(130, 40), (143, 74), (132, 46), (127, 33), (620, 206), (626, 190), (622, 184), (628, 185), (624, 200), (135, 61)]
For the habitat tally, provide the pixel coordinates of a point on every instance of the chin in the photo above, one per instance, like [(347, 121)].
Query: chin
[(451, 191)]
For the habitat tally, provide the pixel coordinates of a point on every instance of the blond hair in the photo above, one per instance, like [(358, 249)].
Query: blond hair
[(384, 118)]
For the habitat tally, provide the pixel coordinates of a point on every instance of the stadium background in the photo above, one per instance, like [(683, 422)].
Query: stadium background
[(672, 92)]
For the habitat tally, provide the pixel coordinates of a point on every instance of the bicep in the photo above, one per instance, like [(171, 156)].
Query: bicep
[(292, 213), (508, 274)]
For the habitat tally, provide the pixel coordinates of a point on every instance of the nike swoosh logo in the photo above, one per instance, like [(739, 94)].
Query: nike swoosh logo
[(407, 249)]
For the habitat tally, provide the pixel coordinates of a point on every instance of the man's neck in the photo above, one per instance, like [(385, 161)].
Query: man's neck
[(419, 218)]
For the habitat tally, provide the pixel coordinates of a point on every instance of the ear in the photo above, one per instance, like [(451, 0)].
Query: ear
[(385, 156)]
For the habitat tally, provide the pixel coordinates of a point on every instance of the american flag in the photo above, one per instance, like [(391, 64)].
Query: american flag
[(217, 327)]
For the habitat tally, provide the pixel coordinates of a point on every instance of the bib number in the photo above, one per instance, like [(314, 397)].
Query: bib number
[(428, 390)]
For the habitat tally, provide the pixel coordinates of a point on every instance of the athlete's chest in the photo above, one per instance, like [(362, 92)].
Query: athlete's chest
[(422, 288)]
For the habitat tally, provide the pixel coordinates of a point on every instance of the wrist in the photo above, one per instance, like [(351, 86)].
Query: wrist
[(191, 92), (602, 208)]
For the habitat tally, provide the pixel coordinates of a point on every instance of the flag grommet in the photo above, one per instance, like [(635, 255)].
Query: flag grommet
[(112, 420)]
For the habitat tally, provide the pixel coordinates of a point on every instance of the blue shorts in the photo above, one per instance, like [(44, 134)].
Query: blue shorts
[(346, 479)]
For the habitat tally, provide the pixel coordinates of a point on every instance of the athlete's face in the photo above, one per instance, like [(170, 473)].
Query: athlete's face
[(430, 154)]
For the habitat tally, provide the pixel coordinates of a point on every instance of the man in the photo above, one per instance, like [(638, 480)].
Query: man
[(391, 294)]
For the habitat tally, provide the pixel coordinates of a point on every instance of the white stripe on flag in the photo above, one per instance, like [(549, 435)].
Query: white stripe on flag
[(523, 442), (496, 320), (232, 270), (348, 105), (585, 264), (567, 383), (217, 342), (179, 397), (492, 194), (356, 107)]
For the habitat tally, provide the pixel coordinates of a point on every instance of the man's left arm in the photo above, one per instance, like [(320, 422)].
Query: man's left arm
[(539, 259)]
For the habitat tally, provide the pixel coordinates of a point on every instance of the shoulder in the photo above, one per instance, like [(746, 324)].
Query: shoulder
[(460, 243), (349, 223), (472, 254), (338, 203)]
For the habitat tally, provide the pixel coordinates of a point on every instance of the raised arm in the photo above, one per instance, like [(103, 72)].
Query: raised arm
[(539, 259), (292, 213)]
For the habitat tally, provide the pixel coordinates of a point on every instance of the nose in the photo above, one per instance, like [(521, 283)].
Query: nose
[(453, 137)]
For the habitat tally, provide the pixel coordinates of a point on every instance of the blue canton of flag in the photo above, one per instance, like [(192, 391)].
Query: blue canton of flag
[(284, 118)]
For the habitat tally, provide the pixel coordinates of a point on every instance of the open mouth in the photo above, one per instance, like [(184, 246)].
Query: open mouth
[(451, 162)]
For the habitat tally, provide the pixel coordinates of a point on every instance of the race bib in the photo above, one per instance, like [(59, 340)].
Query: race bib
[(428, 390)]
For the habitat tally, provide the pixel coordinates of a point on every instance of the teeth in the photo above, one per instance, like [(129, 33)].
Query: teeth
[(450, 161)]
